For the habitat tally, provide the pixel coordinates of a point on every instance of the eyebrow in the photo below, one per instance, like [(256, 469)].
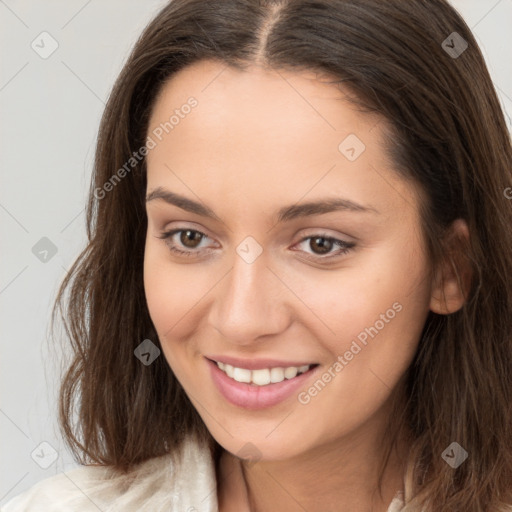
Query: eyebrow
[(284, 214)]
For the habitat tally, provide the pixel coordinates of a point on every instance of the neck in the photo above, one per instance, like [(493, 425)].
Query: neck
[(339, 475)]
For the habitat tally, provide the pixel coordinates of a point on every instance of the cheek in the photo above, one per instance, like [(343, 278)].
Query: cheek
[(176, 296), (160, 288), (347, 301), (377, 327), (168, 297), (170, 289), (373, 311)]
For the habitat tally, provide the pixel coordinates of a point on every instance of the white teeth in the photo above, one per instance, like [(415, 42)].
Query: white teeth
[(264, 376), (228, 369), (261, 377), (290, 372), (276, 375), (242, 375)]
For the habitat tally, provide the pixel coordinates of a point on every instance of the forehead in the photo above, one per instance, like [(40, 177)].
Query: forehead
[(266, 136), (256, 99)]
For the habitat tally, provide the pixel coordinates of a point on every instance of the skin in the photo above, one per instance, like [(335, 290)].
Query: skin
[(259, 140)]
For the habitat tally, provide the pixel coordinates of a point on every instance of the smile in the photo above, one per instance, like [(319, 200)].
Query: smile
[(264, 376), (261, 387)]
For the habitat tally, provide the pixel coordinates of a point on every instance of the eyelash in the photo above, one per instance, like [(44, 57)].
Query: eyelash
[(345, 247)]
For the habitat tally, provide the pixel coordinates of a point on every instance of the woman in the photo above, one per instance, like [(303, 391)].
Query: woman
[(298, 285)]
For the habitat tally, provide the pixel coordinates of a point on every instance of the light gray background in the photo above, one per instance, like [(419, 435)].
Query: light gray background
[(50, 111)]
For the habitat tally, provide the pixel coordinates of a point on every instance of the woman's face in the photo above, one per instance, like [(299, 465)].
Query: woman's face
[(274, 275)]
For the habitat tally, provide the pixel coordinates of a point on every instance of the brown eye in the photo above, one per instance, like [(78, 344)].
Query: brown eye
[(189, 238), (186, 244), (321, 245)]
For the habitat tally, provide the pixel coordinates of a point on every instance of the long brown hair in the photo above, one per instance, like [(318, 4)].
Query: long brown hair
[(448, 135)]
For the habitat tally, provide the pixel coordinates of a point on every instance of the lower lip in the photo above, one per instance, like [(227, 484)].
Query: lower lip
[(254, 397)]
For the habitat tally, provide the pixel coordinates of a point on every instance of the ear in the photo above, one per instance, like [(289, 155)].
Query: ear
[(449, 290)]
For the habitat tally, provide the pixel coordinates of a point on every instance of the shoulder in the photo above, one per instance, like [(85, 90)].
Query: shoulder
[(187, 485), (65, 491)]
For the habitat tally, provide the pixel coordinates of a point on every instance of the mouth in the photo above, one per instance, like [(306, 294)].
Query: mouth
[(262, 376), (261, 387)]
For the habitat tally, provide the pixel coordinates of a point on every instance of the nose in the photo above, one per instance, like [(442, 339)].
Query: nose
[(250, 302)]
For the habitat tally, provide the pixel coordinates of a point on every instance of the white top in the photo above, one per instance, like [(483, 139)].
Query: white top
[(155, 485)]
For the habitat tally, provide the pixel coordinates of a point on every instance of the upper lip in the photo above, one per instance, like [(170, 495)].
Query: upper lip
[(256, 364)]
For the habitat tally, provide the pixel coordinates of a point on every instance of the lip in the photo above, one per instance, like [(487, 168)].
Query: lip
[(256, 364), (249, 396)]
